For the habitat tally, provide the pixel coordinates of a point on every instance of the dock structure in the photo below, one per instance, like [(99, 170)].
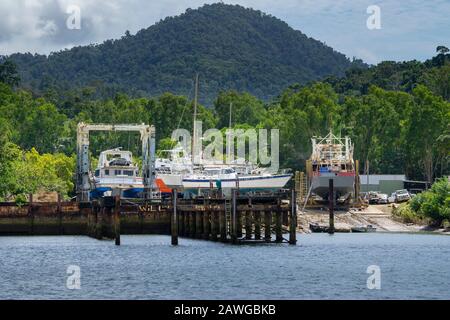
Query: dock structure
[(240, 219), (209, 219)]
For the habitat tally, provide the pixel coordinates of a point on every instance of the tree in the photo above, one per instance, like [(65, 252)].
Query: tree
[(429, 120), (442, 50), (8, 73), (42, 128), (245, 109)]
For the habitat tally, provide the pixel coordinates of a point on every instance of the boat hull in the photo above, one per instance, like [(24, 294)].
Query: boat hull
[(343, 185), (275, 182)]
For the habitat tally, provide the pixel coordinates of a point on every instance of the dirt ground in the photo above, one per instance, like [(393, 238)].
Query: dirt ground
[(379, 216)]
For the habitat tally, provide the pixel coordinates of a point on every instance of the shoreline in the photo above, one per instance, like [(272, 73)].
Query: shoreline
[(379, 216)]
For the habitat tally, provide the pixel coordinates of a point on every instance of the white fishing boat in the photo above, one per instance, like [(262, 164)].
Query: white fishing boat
[(116, 171), (332, 158)]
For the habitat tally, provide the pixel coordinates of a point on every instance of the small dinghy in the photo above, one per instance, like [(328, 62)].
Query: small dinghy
[(316, 228), (368, 228)]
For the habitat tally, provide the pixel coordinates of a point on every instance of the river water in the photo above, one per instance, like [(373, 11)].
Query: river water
[(412, 266)]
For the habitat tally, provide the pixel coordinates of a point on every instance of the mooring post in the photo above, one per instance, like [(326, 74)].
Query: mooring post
[(174, 220), (257, 225), (293, 220), (116, 219), (234, 223), (278, 223), (267, 226), (331, 202)]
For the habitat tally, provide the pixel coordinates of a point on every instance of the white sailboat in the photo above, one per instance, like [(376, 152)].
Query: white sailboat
[(181, 173), (227, 177)]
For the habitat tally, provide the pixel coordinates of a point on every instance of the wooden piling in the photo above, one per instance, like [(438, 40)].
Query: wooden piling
[(278, 224), (331, 203), (356, 199), (174, 218), (267, 226), (223, 225), (187, 223), (248, 225), (199, 224), (99, 223), (59, 212), (31, 213), (192, 224), (293, 219), (214, 225), (257, 225), (206, 224), (234, 223), (239, 224), (180, 223), (116, 219)]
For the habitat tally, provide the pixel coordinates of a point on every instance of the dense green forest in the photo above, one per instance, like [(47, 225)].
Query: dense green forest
[(401, 126), (234, 48)]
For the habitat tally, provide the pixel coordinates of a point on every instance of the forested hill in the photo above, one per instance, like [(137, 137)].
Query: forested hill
[(230, 46)]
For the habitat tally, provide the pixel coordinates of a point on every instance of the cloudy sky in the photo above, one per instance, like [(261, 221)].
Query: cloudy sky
[(410, 29)]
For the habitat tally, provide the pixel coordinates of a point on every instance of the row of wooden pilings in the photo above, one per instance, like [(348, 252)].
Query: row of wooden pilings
[(237, 220), (231, 222), (104, 218)]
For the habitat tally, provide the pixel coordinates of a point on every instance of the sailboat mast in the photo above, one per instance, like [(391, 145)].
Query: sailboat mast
[(194, 127), (231, 108), (228, 155)]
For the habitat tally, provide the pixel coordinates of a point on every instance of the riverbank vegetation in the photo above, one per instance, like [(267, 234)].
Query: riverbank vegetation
[(398, 115), (431, 206)]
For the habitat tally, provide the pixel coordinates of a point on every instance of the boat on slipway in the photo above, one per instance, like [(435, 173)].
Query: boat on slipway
[(332, 158), (182, 172), (116, 174), (227, 177)]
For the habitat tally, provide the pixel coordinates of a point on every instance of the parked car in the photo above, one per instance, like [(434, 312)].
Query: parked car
[(383, 198), (391, 199), (372, 197), (401, 195)]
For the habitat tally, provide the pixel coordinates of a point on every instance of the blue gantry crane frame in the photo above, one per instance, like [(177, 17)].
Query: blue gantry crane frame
[(147, 132)]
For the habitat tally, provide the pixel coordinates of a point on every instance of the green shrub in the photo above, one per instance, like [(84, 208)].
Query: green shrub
[(406, 214), (434, 203)]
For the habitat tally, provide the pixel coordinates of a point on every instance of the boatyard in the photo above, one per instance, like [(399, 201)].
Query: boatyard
[(115, 200)]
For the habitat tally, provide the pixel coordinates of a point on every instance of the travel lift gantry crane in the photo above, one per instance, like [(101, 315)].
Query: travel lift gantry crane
[(148, 155)]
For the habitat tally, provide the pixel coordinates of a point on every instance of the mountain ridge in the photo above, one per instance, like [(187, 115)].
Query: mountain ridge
[(232, 47)]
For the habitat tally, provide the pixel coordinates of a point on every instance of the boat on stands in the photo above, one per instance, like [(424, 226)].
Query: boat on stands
[(332, 158), (116, 173)]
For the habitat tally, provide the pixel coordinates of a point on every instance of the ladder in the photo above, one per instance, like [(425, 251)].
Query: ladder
[(301, 186), (228, 216)]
